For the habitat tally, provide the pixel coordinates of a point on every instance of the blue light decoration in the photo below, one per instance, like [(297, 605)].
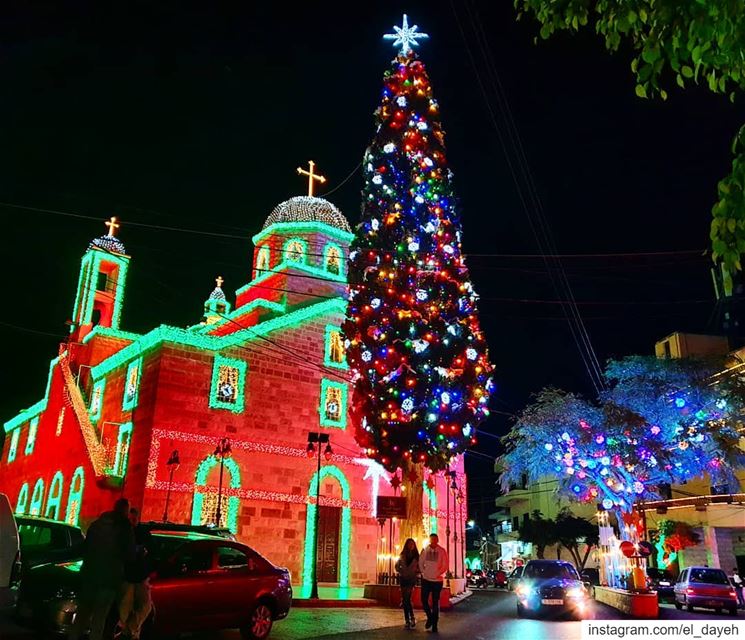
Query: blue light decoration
[(422, 377)]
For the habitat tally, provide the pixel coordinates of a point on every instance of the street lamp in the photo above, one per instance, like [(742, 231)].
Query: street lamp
[(222, 451), (172, 464), (454, 489), (319, 439)]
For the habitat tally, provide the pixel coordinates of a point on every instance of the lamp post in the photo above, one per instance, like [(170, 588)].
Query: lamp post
[(319, 439), (454, 489), (462, 526), (222, 451), (172, 464)]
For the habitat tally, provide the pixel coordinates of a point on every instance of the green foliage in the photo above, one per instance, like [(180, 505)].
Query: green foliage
[(538, 531), (699, 42), (572, 531)]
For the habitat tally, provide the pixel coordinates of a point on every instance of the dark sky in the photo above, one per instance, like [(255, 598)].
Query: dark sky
[(195, 115)]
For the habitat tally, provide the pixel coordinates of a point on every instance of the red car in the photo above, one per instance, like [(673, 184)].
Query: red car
[(202, 582), (705, 587)]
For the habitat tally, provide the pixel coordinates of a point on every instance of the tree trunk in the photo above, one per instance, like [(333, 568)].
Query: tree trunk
[(539, 550), (413, 490), (588, 548)]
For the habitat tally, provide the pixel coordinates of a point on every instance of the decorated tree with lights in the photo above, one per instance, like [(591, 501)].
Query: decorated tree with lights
[(422, 376), (661, 422)]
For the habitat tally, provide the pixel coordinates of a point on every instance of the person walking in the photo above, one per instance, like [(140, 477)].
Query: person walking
[(737, 583), (136, 601), (408, 568), (108, 546), (433, 563)]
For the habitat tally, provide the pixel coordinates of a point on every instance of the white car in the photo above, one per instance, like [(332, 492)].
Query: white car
[(10, 550)]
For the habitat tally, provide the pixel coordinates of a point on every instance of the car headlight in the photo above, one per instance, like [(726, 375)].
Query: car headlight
[(576, 592)]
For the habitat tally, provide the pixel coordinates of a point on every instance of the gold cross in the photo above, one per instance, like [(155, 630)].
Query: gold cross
[(113, 226), (311, 176), (219, 281)]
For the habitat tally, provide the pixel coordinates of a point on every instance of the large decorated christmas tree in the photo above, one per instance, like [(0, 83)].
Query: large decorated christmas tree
[(422, 375)]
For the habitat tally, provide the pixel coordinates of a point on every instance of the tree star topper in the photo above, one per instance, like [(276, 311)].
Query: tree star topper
[(405, 36)]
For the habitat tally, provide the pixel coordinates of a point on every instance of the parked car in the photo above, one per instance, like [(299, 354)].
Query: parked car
[(591, 575), (205, 529), (551, 586), (44, 540), (662, 582), (705, 587), (201, 582), (10, 551), (478, 579), (500, 579), (514, 576)]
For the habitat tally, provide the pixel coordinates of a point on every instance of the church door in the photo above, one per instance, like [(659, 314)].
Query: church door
[(327, 551)]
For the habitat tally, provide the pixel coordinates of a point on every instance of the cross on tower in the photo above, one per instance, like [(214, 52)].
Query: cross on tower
[(311, 176), (112, 225), (219, 281)]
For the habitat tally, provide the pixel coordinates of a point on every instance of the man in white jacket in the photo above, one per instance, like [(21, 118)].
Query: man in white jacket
[(433, 563)]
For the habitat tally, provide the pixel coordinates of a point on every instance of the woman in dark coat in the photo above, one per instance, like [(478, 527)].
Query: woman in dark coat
[(408, 568)]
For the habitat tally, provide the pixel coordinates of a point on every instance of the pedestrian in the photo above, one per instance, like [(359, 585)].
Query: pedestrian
[(108, 546), (737, 583), (433, 563), (136, 601), (408, 568)]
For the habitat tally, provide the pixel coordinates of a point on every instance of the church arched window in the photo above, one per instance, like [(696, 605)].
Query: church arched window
[(332, 259), (335, 353), (295, 250), (263, 256)]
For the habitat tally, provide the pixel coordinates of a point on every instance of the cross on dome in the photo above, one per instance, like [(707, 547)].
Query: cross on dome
[(112, 224), (405, 36), (219, 280), (311, 176)]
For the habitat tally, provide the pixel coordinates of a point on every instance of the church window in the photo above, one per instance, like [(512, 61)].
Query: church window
[(332, 255), (75, 497), (102, 281), (295, 250), (333, 407), (33, 427), (228, 384), (22, 501), (97, 400), (37, 498), (262, 260), (54, 497), (335, 353), (121, 458), (132, 385), (13, 448), (209, 509)]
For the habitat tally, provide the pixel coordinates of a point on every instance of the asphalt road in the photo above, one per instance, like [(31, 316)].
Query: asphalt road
[(487, 615)]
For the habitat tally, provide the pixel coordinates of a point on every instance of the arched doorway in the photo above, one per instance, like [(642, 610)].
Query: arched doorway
[(335, 532), (204, 507), (431, 526)]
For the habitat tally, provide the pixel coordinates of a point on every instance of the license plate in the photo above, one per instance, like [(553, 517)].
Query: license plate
[(551, 601), (714, 603)]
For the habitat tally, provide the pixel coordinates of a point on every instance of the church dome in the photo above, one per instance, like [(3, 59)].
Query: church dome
[(308, 209), (112, 244)]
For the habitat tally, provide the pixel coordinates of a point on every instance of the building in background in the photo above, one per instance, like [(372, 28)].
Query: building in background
[(264, 375)]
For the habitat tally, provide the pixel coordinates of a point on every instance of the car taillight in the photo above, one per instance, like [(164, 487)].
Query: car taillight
[(690, 591), (733, 594)]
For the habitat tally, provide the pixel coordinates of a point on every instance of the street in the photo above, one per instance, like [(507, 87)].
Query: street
[(487, 615)]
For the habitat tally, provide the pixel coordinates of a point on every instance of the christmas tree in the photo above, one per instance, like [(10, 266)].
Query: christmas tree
[(422, 375)]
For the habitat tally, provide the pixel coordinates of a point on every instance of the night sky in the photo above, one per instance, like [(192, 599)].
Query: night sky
[(194, 115)]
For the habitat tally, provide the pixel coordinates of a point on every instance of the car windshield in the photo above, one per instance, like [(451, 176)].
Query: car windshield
[(548, 570), (709, 576)]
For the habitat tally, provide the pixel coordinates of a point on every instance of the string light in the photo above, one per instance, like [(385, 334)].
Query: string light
[(307, 209)]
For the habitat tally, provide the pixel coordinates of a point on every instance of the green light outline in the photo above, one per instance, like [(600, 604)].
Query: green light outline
[(99, 256), (280, 228), (13, 448), (36, 408), (119, 464), (128, 405), (75, 494), (241, 311), (100, 384), (54, 497), (327, 361), (200, 480), (239, 405), (345, 536), (325, 422), (22, 501), (108, 332), (342, 262), (33, 428), (285, 266), (302, 241), (263, 249), (432, 498), (37, 498)]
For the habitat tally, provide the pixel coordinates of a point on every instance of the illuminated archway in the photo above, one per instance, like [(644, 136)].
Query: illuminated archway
[(37, 498), (54, 497), (202, 509), (22, 501), (432, 500), (75, 497), (346, 527)]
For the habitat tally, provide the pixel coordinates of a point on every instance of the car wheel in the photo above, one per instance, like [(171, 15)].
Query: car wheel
[(718, 611), (733, 612), (259, 622), (520, 611), (678, 606), (690, 608)]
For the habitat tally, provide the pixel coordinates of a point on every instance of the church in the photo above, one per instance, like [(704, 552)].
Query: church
[(210, 424)]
